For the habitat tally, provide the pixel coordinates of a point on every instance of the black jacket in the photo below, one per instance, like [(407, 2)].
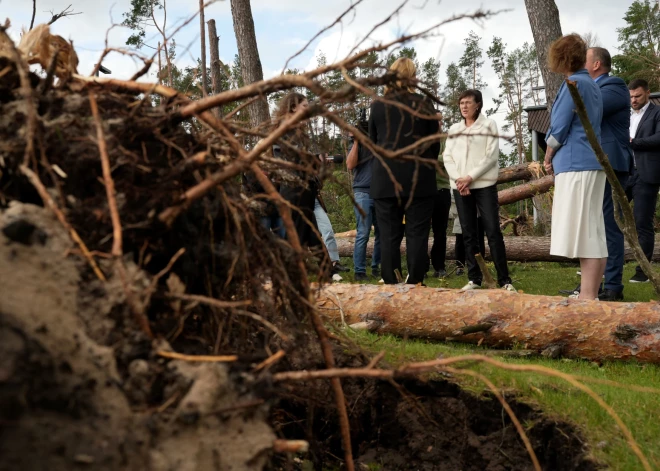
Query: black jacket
[(394, 128), (646, 146)]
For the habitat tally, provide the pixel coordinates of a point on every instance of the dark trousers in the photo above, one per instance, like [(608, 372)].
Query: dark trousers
[(439, 222), (389, 214), (615, 240), (645, 197), (485, 200), (459, 248)]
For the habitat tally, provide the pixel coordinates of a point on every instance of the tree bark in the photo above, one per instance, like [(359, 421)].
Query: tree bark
[(216, 71), (248, 53), (527, 190), (524, 171), (546, 27), (202, 37), (518, 249), (591, 330)]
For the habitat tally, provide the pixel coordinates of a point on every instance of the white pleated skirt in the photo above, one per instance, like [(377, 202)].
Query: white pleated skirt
[(578, 227)]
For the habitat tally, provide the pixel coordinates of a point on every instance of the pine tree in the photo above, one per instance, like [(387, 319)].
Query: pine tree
[(640, 44), (454, 86), (471, 62)]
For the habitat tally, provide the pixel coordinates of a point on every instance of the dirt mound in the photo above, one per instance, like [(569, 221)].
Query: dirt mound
[(64, 401)]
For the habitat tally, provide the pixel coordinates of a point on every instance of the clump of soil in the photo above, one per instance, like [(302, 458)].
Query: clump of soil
[(430, 425)]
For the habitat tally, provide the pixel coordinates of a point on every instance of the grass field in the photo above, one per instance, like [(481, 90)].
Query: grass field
[(639, 410)]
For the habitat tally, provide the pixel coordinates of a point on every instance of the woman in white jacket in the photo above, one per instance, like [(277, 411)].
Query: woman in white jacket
[(471, 160)]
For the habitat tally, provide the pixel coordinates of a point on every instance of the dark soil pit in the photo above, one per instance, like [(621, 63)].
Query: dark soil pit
[(429, 426)]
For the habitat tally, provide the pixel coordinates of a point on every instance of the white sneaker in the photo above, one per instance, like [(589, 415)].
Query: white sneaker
[(470, 286), (336, 277), (381, 281), (577, 296), (509, 287)]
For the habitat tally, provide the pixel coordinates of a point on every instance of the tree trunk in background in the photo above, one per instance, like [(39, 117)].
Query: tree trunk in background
[(544, 20), (216, 71), (202, 37), (248, 53), (518, 249), (526, 190), (525, 171), (591, 330)]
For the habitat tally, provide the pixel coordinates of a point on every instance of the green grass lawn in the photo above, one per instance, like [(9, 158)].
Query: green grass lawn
[(640, 411), (531, 278)]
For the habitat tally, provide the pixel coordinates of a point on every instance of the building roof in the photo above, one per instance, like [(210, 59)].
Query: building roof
[(538, 118)]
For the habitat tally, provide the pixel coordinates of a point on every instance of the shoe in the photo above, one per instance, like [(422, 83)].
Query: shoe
[(361, 277), (381, 281), (337, 267), (509, 287), (336, 277), (578, 288), (609, 295), (460, 272), (375, 272), (470, 286), (639, 278), (440, 274), (575, 291)]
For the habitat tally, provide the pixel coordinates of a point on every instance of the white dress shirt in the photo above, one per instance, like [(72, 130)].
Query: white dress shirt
[(636, 118)]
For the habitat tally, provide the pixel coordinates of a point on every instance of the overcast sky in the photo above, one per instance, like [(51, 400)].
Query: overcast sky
[(284, 26)]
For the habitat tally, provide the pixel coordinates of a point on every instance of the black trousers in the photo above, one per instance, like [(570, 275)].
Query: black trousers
[(439, 222), (459, 248), (389, 214), (485, 200), (645, 196)]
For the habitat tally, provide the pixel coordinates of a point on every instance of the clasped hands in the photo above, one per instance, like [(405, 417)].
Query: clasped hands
[(463, 185)]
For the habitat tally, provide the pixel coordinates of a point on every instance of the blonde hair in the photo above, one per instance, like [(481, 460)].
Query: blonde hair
[(405, 70)]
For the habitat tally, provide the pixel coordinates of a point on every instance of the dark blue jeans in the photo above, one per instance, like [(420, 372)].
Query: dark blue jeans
[(274, 223), (363, 231), (615, 239)]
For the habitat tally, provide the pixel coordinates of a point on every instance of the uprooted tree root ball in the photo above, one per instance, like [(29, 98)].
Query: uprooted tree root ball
[(88, 327)]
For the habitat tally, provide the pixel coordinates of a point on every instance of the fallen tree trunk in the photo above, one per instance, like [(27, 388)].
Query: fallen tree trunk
[(527, 190), (518, 249), (526, 171), (553, 326)]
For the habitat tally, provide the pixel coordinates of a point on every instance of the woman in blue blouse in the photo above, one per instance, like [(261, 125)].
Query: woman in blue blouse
[(578, 227)]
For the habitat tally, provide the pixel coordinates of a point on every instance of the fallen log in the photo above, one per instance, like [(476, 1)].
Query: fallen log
[(526, 171), (554, 326), (518, 249), (526, 190), (347, 234)]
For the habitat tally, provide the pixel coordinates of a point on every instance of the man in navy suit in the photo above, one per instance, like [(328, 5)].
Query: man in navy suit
[(615, 142), (645, 179)]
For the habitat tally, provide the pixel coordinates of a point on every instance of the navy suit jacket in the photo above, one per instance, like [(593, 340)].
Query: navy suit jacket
[(615, 126), (646, 145)]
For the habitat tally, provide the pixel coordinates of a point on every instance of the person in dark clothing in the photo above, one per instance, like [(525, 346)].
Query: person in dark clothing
[(615, 141), (302, 194), (360, 161), (269, 217), (645, 178), (411, 195), (440, 221)]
